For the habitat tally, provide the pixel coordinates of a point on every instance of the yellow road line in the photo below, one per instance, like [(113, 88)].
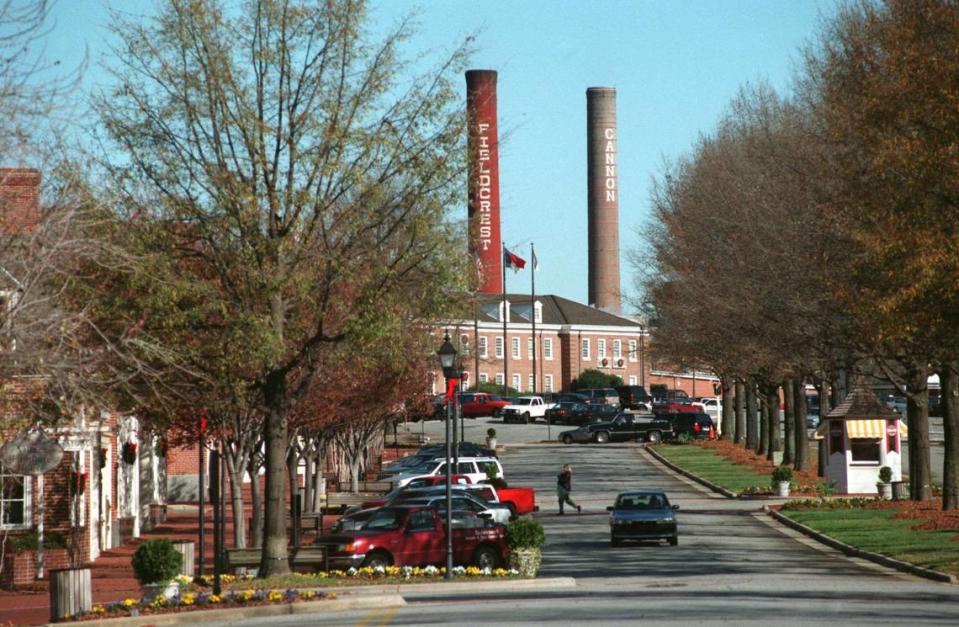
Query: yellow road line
[(381, 616)]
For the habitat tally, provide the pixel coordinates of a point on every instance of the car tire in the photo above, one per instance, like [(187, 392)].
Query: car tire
[(567, 439), (654, 437), (378, 558), (673, 541), (601, 437), (526, 417), (614, 542), (486, 557)]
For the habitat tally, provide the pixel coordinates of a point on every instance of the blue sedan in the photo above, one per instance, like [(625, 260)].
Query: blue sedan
[(642, 515)]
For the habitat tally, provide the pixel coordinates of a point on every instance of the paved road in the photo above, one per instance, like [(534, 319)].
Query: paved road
[(732, 563)]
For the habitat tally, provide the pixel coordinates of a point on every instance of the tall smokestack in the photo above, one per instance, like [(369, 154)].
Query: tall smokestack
[(604, 290), (484, 236)]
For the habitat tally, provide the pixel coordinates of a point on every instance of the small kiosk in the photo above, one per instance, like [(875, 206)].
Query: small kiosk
[(861, 435)]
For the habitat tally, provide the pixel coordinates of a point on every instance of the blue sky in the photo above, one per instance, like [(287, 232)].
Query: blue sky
[(675, 65)]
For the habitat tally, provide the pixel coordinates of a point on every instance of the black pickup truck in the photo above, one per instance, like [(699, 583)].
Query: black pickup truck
[(625, 427)]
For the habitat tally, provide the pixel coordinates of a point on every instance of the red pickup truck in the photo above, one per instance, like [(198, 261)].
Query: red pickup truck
[(416, 536), (477, 404), (520, 500)]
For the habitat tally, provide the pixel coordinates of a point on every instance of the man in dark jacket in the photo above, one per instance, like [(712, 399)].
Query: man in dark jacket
[(564, 485)]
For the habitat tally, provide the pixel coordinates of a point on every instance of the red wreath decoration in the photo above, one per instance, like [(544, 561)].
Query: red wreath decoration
[(129, 452), (78, 482)]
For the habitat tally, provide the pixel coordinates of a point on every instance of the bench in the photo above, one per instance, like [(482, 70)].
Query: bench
[(314, 556), (338, 502), (376, 486)]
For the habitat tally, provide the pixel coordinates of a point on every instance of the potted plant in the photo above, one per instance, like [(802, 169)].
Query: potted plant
[(129, 452), (525, 538), (781, 476), (491, 438), (155, 565), (885, 483)]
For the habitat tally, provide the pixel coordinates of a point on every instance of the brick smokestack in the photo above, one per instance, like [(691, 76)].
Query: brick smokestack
[(603, 196), (19, 199), (485, 243)]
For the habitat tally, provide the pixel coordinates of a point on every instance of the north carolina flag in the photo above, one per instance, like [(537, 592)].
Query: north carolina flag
[(513, 262)]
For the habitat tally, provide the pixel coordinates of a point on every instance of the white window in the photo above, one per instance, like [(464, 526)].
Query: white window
[(499, 347), (499, 378), (632, 351), (632, 379), (532, 384), (15, 505), (548, 383), (600, 349), (516, 382), (483, 349), (585, 349), (547, 348), (514, 347), (538, 312), (484, 378), (529, 348), (617, 350)]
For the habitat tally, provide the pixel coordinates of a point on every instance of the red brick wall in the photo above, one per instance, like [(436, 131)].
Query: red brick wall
[(21, 567), (19, 199)]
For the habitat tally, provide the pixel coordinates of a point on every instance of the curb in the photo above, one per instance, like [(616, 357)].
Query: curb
[(456, 587), (709, 484), (882, 560), (240, 613)]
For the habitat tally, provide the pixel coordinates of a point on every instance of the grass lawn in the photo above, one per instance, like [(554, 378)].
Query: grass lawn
[(877, 531), (713, 467)]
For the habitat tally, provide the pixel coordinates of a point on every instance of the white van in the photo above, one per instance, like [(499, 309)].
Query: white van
[(473, 467)]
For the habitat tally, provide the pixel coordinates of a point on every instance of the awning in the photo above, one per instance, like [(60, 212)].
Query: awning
[(875, 428)]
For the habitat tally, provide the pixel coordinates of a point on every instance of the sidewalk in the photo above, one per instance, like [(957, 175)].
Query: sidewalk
[(112, 574)]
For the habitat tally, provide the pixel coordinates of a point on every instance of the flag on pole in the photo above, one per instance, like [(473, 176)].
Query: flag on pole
[(535, 261), (513, 262)]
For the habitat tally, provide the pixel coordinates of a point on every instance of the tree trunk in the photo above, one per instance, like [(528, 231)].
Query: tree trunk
[(825, 406), (752, 424), (729, 412), (764, 418), (920, 474), (740, 435), (274, 557), (789, 423), (775, 443), (256, 504), (949, 393), (308, 482), (235, 472), (801, 445)]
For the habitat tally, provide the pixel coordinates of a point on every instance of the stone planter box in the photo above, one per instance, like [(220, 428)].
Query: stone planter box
[(526, 561)]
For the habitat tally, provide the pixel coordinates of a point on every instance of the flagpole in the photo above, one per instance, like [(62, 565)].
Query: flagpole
[(505, 343), (532, 311)]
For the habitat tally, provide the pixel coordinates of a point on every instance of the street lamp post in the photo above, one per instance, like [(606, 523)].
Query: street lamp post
[(447, 355)]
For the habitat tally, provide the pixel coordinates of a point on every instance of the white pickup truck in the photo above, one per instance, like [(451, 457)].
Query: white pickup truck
[(525, 409)]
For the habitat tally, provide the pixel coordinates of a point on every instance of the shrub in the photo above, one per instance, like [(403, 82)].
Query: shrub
[(782, 473), (682, 438), (591, 378), (30, 541), (525, 533), (885, 474), (156, 561), (491, 432)]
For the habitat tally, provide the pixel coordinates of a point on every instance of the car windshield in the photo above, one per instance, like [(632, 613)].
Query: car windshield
[(522, 401), (385, 519), (642, 501)]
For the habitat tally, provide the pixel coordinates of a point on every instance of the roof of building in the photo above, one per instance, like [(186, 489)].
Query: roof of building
[(556, 310), (861, 403)]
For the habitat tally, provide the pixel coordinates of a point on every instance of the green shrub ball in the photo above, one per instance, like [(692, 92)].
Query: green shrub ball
[(156, 561)]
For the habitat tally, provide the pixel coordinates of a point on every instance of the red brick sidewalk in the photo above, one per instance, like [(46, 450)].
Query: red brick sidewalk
[(111, 574)]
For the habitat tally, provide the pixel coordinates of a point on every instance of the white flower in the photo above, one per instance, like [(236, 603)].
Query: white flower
[(379, 570), (407, 572), (351, 572), (431, 570), (513, 571), (459, 570), (487, 571)]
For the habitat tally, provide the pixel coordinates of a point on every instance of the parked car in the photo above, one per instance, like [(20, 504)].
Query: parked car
[(467, 449), (474, 467), (525, 409), (403, 465), (406, 535), (642, 515), (608, 396), (461, 500), (712, 405), (353, 520), (416, 484), (697, 425), (668, 395), (574, 397), (623, 428), (477, 404), (520, 500), (634, 397), (673, 407), (567, 413)]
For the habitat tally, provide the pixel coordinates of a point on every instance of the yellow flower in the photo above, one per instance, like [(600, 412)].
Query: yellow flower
[(128, 603), (307, 594), (214, 598), (187, 599), (98, 609), (331, 595), (275, 596)]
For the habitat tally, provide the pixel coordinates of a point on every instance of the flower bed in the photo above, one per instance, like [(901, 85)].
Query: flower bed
[(297, 587), (928, 514), (804, 482)]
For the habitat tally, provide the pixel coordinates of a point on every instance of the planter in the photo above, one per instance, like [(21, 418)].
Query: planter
[(782, 488), (70, 593), (185, 548), (885, 490), (526, 561), (491, 443), (166, 589)]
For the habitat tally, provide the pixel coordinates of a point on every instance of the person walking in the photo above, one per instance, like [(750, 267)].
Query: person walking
[(564, 485)]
